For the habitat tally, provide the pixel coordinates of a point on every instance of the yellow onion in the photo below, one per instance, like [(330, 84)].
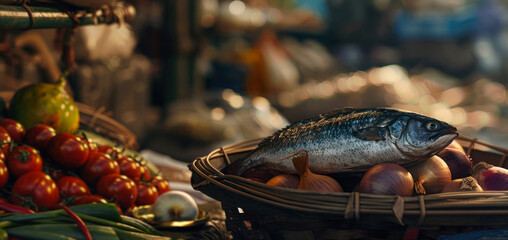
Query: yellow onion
[(459, 163), (311, 181), (490, 177), (463, 184), (387, 178), (285, 181), (430, 175)]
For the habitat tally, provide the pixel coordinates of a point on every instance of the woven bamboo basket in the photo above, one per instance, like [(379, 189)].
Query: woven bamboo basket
[(258, 211)]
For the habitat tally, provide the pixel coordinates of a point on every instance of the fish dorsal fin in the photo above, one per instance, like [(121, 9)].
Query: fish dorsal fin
[(370, 134), (338, 112)]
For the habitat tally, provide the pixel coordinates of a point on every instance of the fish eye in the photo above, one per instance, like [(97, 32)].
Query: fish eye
[(432, 126)]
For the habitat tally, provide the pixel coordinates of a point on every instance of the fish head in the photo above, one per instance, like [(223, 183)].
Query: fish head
[(424, 136)]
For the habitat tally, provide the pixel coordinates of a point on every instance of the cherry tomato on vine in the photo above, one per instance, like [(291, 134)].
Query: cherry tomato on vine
[(86, 199), (92, 146), (130, 168), (147, 193), (23, 159), (39, 136), (3, 156), (35, 190), (55, 174), (14, 128), (5, 140), (146, 175), (4, 174), (113, 152), (68, 150), (72, 186), (161, 184), (98, 165), (119, 189)]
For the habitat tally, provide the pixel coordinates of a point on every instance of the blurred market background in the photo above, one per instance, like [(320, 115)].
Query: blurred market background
[(188, 76)]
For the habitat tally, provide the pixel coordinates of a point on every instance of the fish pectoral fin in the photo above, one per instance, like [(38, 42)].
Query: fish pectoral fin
[(370, 134)]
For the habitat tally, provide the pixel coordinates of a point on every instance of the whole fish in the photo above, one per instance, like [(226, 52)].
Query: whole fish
[(352, 140)]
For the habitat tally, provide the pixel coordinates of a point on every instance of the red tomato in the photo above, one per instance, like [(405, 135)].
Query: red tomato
[(68, 150), (55, 174), (119, 189), (86, 199), (39, 136), (5, 140), (161, 184), (24, 159), (72, 186), (98, 165), (147, 193), (146, 175), (3, 156), (4, 174), (130, 168), (35, 188), (14, 128), (113, 152), (92, 146)]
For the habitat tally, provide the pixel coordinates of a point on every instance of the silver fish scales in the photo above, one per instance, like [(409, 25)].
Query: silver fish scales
[(352, 140)]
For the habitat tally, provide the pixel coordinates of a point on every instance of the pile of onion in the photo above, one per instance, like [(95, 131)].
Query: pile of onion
[(430, 175), (312, 181), (388, 179), (460, 163), (491, 177)]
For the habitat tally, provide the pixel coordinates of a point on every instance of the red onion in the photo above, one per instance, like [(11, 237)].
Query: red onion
[(387, 178), (463, 184), (285, 181), (456, 145), (459, 163), (430, 175), (491, 177)]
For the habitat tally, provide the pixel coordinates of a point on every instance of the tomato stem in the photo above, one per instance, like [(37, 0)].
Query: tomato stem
[(24, 155)]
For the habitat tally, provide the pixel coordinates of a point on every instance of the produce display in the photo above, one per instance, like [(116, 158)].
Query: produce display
[(394, 153), (58, 183)]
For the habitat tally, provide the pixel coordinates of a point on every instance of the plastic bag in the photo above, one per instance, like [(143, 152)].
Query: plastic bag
[(101, 42)]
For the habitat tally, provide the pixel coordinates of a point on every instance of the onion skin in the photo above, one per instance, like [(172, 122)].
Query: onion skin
[(463, 184), (459, 163), (430, 175), (388, 179), (491, 178), (285, 181), (456, 145), (311, 181)]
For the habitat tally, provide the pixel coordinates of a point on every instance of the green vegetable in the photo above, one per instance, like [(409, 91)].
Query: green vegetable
[(138, 236), (37, 235), (147, 228), (68, 230), (102, 220), (108, 223), (3, 234), (106, 211)]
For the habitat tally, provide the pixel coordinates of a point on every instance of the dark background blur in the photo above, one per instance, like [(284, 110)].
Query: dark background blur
[(187, 76)]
